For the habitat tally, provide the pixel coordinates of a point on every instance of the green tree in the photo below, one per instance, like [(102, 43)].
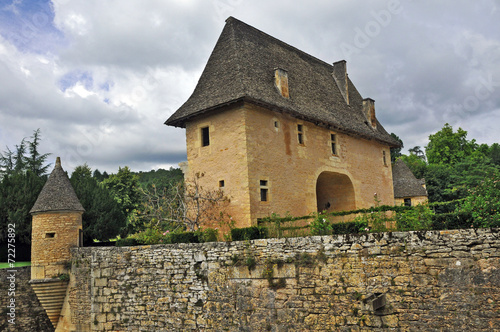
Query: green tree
[(396, 152), (415, 164), (494, 153), (125, 188), (448, 147), (483, 202), (22, 178), (18, 194), (35, 160), (103, 218), (417, 151)]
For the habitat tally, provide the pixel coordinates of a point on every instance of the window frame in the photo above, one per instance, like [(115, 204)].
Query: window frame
[(334, 144), (264, 190), (205, 136), (300, 134)]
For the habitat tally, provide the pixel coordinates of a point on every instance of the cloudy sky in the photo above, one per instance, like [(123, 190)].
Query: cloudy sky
[(99, 77)]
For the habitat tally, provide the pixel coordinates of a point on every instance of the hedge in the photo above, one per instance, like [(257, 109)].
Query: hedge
[(249, 233)]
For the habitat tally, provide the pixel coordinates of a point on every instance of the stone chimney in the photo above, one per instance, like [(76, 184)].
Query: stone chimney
[(369, 112), (340, 76)]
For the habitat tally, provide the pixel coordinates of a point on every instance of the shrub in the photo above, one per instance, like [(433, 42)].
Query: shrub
[(208, 235), (351, 227), (127, 242), (321, 225), (183, 237), (452, 221), (248, 233), (415, 219)]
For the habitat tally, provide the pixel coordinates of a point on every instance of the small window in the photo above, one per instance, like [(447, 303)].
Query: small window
[(384, 157), (205, 136), (264, 191), (276, 124), (300, 133), (263, 194), (333, 142), (407, 201), (221, 184), (50, 235)]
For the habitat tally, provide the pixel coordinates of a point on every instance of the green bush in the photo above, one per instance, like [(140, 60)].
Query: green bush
[(457, 220), (183, 237), (320, 225), (248, 233), (416, 219), (208, 235), (127, 242), (351, 227)]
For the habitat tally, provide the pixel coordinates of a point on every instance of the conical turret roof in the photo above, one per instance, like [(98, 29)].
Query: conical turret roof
[(57, 194)]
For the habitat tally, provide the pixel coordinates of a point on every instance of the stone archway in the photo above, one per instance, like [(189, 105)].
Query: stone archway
[(334, 192)]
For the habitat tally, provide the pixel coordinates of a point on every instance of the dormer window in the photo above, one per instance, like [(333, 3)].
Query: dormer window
[(281, 82), (369, 110)]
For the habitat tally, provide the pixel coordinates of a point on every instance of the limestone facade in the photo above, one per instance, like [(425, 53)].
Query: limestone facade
[(252, 148), (53, 235)]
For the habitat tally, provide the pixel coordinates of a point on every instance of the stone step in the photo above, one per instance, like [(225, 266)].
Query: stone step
[(51, 295)]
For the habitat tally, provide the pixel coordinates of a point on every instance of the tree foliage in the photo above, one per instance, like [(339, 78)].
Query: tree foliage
[(183, 205), (103, 218), (18, 194), (447, 147), (396, 152), (22, 178), (483, 202)]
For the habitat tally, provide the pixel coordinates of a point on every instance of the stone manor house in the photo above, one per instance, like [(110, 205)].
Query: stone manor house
[(282, 131)]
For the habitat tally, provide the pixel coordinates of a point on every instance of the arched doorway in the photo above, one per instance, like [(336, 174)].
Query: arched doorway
[(334, 192)]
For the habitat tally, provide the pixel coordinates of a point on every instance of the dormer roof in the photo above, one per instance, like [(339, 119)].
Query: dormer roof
[(405, 183), (242, 68), (57, 194)]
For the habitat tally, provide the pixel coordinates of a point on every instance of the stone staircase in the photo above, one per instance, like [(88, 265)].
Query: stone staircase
[(51, 294)]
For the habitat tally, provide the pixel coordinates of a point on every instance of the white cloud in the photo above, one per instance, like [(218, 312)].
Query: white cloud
[(103, 76)]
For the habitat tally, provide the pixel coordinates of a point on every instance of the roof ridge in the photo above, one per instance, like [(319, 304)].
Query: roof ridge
[(236, 54), (231, 19)]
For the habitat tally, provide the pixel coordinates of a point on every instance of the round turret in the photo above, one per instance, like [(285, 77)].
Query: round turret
[(56, 226)]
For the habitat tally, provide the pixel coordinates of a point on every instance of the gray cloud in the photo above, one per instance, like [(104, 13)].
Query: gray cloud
[(425, 63)]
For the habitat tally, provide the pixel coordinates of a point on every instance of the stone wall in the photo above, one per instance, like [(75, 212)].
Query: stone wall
[(29, 314), (429, 281)]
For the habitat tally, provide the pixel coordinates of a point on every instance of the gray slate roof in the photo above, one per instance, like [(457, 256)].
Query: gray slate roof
[(57, 194), (241, 68), (405, 183)]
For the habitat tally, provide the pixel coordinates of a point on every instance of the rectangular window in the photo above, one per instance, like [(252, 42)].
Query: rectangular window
[(50, 235), (264, 191), (333, 141), (221, 184), (384, 157), (300, 133), (407, 201), (205, 136)]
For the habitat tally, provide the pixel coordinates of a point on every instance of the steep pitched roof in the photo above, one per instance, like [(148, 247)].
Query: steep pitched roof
[(405, 183), (57, 194), (241, 68)]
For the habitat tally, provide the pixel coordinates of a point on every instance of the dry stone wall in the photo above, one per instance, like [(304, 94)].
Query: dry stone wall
[(412, 281), (24, 313)]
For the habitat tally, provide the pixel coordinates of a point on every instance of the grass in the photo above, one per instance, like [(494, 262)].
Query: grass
[(16, 264)]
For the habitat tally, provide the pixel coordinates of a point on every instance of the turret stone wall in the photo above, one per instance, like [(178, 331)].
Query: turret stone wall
[(399, 281)]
